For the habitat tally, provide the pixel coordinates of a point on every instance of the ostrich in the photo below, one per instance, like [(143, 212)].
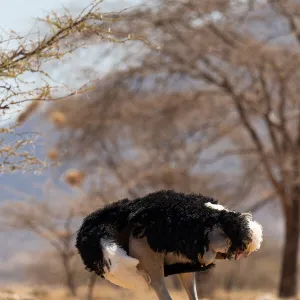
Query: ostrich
[(136, 243)]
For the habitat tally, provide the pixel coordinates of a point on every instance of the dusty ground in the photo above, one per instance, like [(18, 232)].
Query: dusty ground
[(111, 293)]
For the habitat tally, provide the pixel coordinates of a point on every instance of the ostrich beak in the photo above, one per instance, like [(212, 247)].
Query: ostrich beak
[(238, 254)]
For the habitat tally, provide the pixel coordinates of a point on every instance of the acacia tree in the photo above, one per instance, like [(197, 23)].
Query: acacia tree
[(50, 222), (219, 91), (26, 78)]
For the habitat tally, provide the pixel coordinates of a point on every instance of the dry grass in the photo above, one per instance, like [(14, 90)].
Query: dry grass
[(109, 292)]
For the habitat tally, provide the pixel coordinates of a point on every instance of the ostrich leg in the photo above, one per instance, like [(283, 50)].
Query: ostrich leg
[(189, 282), (152, 263)]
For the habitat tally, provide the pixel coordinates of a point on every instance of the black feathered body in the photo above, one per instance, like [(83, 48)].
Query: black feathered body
[(172, 222)]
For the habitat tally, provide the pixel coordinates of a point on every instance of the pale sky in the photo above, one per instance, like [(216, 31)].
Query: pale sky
[(19, 14)]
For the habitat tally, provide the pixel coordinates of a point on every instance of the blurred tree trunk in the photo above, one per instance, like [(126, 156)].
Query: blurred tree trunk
[(70, 280), (205, 283), (91, 286), (288, 279), (176, 284)]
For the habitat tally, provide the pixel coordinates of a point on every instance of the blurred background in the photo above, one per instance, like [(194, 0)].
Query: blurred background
[(106, 100)]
